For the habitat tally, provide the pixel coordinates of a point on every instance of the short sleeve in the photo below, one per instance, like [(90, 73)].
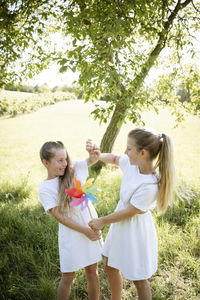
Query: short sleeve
[(124, 162), (144, 196), (47, 200), (81, 170)]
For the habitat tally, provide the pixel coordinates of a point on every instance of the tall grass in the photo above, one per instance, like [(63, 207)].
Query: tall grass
[(29, 261)]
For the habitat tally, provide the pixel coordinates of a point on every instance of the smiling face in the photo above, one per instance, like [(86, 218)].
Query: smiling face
[(57, 164), (131, 151)]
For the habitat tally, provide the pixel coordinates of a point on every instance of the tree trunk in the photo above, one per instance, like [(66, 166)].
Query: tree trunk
[(111, 133)]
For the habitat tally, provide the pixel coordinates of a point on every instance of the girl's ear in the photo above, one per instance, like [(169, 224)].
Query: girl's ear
[(45, 163), (144, 153)]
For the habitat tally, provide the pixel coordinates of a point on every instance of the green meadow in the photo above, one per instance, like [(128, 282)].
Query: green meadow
[(29, 262)]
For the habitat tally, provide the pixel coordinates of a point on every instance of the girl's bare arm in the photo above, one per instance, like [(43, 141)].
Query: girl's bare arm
[(109, 158), (117, 216), (57, 214)]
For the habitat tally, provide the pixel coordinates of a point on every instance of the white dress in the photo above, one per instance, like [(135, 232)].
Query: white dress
[(75, 249), (131, 245)]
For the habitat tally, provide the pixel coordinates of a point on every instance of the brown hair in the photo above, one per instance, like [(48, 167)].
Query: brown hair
[(47, 152), (159, 146)]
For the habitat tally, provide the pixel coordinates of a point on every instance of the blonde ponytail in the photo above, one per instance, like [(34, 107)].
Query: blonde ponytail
[(165, 165), (159, 146)]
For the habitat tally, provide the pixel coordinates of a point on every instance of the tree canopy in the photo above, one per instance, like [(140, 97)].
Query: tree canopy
[(114, 44)]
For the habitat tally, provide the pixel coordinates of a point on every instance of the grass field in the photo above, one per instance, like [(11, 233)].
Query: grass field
[(68, 121), (29, 265)]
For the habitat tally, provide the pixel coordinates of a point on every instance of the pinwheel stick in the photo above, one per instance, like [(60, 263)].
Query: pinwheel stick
[(100, 242), (90, 212)]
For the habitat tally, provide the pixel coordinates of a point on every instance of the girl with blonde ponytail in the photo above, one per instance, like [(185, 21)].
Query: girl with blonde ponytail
[(131, 244), (78, 243)]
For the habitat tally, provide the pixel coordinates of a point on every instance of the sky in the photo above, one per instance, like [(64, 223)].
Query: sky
[(52, 77)]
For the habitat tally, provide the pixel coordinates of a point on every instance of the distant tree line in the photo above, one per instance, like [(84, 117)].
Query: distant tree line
[(44, 88)]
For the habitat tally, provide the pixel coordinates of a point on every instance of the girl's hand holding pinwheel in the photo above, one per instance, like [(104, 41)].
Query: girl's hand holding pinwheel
[(93, 235)]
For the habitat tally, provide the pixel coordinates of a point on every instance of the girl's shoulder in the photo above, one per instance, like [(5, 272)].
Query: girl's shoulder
[(124, 163), (48, 184), (80, 164), (48, 192)]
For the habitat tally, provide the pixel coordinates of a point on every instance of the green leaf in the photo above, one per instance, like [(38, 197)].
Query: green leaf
[(63, 69)]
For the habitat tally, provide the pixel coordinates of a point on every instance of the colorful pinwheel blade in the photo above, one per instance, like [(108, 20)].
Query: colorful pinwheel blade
[(82, 195), (84, 203), (92, 190), (77, 184), (76, 201), (87, 184), (92, 198), (73, 193)]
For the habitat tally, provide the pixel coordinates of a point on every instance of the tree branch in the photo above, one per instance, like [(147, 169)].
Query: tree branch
[(160, 45), (184, 4), (198, 10)]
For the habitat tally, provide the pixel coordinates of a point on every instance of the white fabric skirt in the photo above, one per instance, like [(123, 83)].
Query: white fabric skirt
[(132, 247), (76, 251)]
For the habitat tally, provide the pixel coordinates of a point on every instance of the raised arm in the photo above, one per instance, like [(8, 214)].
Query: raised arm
[(109, 158), (95, 155), (91, 234)]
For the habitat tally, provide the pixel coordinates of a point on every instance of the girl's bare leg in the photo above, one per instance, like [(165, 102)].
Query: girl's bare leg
[(115, 281), (64, 287), (93, 281), (143, 289)]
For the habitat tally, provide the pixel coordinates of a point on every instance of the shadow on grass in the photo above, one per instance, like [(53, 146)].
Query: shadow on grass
[(29, 261)]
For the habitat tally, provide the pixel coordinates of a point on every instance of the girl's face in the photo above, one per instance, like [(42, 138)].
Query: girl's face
[(131, 151), (57, 165)]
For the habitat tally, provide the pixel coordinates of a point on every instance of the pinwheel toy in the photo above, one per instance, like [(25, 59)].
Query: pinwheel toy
[(81, 195)]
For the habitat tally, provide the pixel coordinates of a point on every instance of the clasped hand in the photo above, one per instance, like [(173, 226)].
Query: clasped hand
[(96, 224), (93, 149)]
